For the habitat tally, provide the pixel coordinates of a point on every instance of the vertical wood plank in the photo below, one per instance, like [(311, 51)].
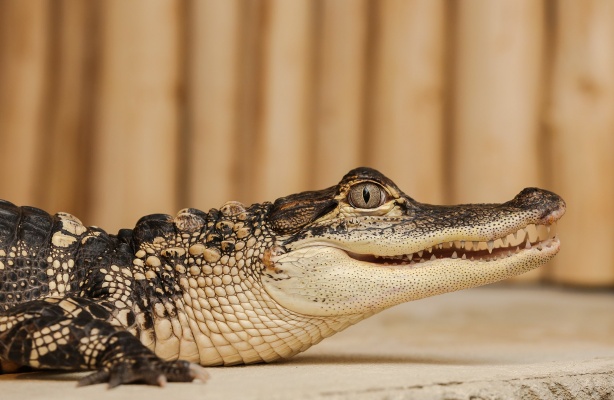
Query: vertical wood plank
[(65, 161), (23, 65), (406, 125), (340, 87), (497, 101), (281, 165), (136, 154), (582, 127), (213, 96), (250, 106)]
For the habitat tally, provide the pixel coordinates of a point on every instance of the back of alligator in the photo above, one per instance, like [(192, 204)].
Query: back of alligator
[(46, 256)]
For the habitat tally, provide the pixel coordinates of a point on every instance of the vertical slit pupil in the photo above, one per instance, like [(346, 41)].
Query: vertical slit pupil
[(366, 195)]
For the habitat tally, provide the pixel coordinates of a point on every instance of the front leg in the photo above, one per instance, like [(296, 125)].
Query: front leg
[(79, 334)]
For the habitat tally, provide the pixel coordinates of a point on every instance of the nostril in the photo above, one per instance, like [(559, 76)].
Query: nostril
[(530, 193), (536, 194), (540, 199)]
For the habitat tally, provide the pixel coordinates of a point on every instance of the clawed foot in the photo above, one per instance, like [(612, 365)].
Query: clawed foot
[(147, 370)]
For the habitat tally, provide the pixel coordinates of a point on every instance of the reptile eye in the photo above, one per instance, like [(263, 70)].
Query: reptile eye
[(366, 195)]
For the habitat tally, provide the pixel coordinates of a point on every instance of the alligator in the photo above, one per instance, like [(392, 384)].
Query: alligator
[(242, 285)]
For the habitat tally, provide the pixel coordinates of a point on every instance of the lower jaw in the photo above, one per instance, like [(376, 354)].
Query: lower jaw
[(448, 275)]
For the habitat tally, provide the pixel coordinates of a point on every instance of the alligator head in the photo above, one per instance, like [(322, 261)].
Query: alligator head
[(364, 245)]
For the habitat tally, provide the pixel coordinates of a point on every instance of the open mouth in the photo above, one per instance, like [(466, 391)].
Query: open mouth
[(533, 236)]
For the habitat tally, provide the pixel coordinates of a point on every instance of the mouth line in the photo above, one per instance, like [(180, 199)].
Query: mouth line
[(533, 236)]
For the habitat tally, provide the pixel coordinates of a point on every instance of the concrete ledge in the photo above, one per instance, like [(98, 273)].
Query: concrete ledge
[(489, 343)]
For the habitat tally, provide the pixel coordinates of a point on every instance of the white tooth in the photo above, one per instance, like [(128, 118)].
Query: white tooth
[(542, 232), (552, 230), (532, 233), (517, 249), (422, 260), (440, 246), (410, 256), (476, 245), (433, 257), (454, 255), (458, 244), (491, 245), (430, 249), (420, 253), (504, 241), (519, 236), (464, 257), (528, 245), (412, 262)]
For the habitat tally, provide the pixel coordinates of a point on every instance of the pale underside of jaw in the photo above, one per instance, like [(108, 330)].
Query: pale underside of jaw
[(533, 236)]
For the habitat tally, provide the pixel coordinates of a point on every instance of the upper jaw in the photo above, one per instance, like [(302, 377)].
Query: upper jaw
[(532, 237)]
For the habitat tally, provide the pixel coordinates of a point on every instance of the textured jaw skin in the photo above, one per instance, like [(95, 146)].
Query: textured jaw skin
[(324, 281)]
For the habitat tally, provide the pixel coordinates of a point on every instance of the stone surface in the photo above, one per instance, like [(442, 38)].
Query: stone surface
[(489, 343)]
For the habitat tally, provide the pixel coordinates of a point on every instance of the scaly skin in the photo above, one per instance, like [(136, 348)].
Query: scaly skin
[(244, 285)]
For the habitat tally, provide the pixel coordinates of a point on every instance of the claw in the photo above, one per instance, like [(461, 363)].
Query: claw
[(118, 377), (161, 381), (155, 373), (198, 373), (113, 383), (94, 378)]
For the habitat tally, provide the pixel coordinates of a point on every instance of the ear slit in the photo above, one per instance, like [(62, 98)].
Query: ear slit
[(325, 209), (292, 213)]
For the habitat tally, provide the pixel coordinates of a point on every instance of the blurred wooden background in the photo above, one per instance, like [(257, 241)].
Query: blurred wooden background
[(112, 109)]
